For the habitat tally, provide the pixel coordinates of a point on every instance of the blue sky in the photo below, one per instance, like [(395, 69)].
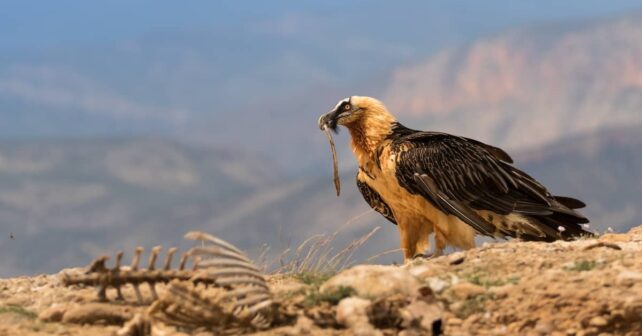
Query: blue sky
[(189, 69), (34, 24)]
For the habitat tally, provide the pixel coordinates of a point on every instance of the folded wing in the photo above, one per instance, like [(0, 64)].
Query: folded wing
[(463, 177)]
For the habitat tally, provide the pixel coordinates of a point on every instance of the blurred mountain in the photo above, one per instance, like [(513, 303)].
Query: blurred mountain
[(67, 201), (64, 200), (529, 86), (275, 76), (603, 168)]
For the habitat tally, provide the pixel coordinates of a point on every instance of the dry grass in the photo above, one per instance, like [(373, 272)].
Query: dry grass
[(316, 259), (318, 255)]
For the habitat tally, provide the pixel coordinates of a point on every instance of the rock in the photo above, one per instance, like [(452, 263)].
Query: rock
[(437, 285), (598, 321), (286, 285), (636, 231), (422, 316), (140, 324), (425, 269), (628, 278), (465, 290), (457, 258), (352, 313), (501, 292), (374, 281), (53, 313), (615, 238), (543, 328), (303, 326), (92, 313)]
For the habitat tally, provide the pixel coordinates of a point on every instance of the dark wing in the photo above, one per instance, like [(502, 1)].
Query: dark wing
[(374, 200), (461, 176)]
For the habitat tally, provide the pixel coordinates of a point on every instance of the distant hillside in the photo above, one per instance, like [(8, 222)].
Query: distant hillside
[(604, 169), (64, 201), (76, 199), (274, 77), (529, 86)]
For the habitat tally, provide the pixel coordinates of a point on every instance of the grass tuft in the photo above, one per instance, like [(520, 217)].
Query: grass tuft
[(18, 310), (582, 266), (473, 305), (316, 257), (315, 297), (313, 279), (481, 279)]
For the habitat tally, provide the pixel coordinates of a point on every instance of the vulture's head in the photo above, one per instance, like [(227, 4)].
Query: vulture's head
[(352, 110)]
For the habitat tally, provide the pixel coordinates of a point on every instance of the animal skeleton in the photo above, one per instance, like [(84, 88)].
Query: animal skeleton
[(222, 291)]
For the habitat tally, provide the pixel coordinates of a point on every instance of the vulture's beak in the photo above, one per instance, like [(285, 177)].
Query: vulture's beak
[(329, 120)]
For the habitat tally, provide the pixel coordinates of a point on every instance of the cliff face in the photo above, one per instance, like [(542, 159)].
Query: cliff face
[(529, 86)]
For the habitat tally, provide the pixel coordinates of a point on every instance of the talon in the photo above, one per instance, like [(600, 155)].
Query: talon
[(421, 256), (432, 255)]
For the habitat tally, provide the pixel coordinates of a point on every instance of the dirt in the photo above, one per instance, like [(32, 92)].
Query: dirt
[(584, 287)]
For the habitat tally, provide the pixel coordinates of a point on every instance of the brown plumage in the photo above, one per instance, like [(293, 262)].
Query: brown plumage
[(454, 187)]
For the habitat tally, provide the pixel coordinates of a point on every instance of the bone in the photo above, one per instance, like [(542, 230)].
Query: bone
[(102, 293), (252, 300), (260, 306), (241, 281), (98, 265), (168, 258), (226, 263), (153, 290), (139, 296), (183, 261), (244, 291), (214, 251), (198, 235), (119, 258), (136, 259), (197, 260), (119, 294), (234, 272), (335, 162), (152, 258)]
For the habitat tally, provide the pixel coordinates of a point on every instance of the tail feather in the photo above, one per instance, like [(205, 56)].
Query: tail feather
[(570, 202), (567, 227)]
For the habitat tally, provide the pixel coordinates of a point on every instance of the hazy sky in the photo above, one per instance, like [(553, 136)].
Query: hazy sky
[(33, 24), (193, 69)]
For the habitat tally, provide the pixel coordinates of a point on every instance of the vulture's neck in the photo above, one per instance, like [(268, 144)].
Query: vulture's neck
[(369, 132)]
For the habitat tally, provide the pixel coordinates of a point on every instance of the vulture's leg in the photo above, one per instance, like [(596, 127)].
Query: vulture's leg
[(407, 240)]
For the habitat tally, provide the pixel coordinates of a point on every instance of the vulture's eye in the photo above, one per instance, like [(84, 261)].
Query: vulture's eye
[(347, 107)]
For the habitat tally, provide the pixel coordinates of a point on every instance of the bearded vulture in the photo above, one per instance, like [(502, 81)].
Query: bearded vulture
[(452, 186)]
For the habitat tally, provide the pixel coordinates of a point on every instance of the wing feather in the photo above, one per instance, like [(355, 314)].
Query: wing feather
[(375, 201), (462, 176)]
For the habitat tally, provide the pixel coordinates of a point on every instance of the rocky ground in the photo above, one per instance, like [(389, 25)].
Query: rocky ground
[(584, 287)]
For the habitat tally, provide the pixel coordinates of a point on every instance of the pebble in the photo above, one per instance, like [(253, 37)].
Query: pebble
[(598, 321), (466, 290), (374, 281)]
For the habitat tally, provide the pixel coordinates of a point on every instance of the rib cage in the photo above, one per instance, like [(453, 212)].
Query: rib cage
[(102, 278), (221, 290)]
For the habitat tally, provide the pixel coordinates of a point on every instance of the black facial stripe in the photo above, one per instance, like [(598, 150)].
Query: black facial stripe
[(342, 108), (341, 103)]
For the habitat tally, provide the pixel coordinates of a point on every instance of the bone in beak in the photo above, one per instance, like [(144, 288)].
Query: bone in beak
[(335, 162)]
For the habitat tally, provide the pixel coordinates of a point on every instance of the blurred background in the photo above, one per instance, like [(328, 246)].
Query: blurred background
[(127, 123)]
